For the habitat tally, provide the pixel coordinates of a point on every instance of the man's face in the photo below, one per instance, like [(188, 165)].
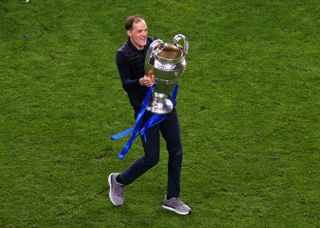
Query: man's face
[(138, 34)]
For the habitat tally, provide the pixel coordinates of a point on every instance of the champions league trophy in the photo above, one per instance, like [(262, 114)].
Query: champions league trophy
[(167, 61)]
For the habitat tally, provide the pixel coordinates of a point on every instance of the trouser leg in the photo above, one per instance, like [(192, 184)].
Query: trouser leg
[(170, 131), (151, 157)]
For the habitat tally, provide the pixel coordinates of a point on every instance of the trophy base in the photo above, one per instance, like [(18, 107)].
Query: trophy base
[(160, 104)]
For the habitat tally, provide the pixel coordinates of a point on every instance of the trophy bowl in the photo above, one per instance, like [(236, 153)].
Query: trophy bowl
[(167, 61)]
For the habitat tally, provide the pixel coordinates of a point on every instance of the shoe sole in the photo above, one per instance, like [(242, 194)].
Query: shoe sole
[(174, 210), (109, 181)]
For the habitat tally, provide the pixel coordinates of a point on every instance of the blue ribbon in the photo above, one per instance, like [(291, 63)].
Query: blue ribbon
[(153, 120)]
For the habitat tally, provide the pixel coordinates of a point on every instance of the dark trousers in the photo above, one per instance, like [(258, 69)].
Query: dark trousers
[(170, 131)]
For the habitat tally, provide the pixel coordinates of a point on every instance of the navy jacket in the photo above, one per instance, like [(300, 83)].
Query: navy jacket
[(130, 63)]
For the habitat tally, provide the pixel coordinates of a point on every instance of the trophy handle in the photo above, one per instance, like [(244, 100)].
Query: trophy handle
[(179, 37), (155, 47)]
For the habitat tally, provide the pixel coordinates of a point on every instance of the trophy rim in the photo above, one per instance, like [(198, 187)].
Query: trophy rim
[(172, 47)]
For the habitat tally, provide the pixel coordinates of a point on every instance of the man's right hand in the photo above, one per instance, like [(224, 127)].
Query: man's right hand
[(147, 80)]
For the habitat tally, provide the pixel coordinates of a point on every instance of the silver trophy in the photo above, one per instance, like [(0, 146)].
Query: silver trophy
[(167, 61)]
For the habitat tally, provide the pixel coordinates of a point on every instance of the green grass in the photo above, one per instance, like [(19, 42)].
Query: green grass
[(248, 103)]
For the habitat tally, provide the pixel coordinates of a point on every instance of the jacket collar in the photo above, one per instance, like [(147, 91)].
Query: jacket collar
[(145, 48)]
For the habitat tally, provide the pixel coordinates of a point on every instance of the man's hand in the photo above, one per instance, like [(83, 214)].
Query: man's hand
[(147, 80)]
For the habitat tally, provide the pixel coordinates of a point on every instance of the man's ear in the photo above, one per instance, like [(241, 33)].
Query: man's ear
[(129, 33)]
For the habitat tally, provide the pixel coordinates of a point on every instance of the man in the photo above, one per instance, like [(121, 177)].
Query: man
[(130, 62)]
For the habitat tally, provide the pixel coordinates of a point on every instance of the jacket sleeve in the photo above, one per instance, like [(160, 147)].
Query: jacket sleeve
[(128, 83)]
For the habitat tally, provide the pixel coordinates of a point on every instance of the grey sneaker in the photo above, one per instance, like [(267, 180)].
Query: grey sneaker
[(176, 205), (116, 193)]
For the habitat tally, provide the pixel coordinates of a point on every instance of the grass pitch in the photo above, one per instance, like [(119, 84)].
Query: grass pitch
[(248, 106)]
